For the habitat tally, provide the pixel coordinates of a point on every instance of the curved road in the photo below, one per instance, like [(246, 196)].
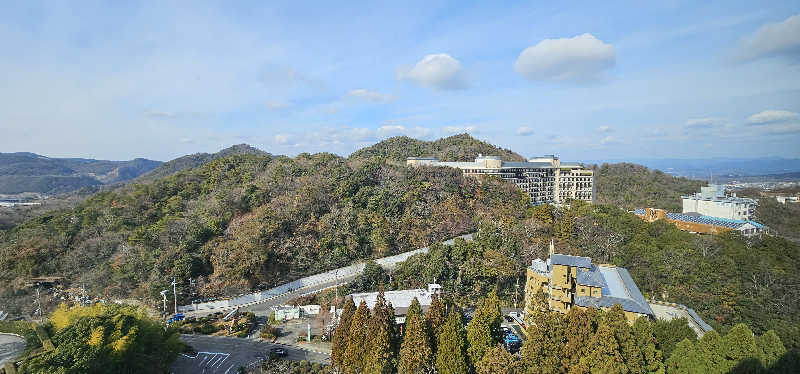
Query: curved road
[(11, 346), (224, 355)]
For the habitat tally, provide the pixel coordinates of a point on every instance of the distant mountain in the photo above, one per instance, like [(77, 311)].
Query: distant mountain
[(28, 172), (198, 159), (454, 148), (722, 168)]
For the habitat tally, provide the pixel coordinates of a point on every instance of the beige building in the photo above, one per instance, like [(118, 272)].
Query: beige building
[(567, 282), (545, 179)]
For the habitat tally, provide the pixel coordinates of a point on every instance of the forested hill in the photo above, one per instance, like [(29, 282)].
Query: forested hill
[(242, 221), (454, 148), (632, 186), (28, 172), (198, 159)]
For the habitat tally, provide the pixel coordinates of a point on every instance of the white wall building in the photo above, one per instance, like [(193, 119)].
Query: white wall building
[(712, 202), (545, 179), (400, 300)]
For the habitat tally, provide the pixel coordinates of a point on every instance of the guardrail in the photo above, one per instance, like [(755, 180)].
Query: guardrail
[(303, 283)]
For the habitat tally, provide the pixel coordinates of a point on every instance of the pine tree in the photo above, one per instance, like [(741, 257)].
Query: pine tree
[(623, 334), (354, 356), (435, 319), (710, 346), (498, 361), (643, 333), (739, 345), (546, 336), (770, 347), (483, 332), (603, 353), (686, 359), (580, 331), (380, 358), (451, 358), (416, 354), (342, 333)]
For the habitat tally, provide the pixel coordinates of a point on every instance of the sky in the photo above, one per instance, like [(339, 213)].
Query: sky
[(587, 80)]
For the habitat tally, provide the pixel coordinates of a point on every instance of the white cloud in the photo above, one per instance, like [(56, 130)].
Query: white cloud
[(704, 123), (281, 139), (276, 105), (524, 131), (771, 116), (605, 129), (373, 96), (388, 131), (440, 71), (453, 130), (582, 57), (781, 39), (609, 140)]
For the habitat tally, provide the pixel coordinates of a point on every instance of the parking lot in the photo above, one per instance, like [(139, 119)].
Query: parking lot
[(224, 355), (11, 346)]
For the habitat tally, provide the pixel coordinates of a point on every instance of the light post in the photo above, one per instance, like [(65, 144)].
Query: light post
[(175, 294), (164, 296)]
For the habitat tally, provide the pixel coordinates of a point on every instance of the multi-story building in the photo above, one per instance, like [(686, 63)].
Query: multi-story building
[(567, 282), (700, 224), (545, 179), (711, 201)]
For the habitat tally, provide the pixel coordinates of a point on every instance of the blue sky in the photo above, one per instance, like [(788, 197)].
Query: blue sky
[(593, 80)]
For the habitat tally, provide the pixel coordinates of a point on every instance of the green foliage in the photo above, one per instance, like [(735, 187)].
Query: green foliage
[(341, 335), (354, 358), (454, 148), (435, 320), (483, 331), (498, 361), (632, 186), (416, 354), (451, 356), (380, 353), (112, 338)]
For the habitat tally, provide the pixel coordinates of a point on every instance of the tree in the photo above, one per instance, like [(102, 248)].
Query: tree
[(770, 347), (451, 356), (106, 339), (498, 361), (342, 333), (483, 332), (623, 334), (582, 325), (603, 353), (436, 319), (355, 355), (380, 355), (643, 334), (739, 345), (669, 333), (416, 354), (542, 350), (686, 359)]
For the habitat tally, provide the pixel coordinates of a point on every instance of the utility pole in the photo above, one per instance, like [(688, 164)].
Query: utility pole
[(516, 292), (164, 295), (175, 294), (336, 281)]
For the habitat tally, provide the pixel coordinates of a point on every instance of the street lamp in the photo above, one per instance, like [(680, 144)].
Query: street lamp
[(175, 294), (164, 295)]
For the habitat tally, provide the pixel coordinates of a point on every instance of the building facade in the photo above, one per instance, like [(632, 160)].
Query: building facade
[(545, 179), (712, 201), (700, 224), (564, 282), (400, 299)]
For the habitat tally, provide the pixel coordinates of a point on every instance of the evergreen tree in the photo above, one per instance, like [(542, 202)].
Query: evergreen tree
[(603, 353), (483, 332), (580, 331), (643, 333), (710, 346), (342, 333), (628, 349), (451, 357), (770, 347), (686, 359), (739, 345), (435, 319), (380, 356), (416, 354), (354, 357), (498, 361), (546, 336)]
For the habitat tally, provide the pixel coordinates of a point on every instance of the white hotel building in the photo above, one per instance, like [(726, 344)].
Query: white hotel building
[(545, 179)]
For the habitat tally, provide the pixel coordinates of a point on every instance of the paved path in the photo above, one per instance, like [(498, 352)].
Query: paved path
[(11, 346), (224, 355)]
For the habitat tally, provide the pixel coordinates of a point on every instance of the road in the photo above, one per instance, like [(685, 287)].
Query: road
[(224, 355), (11, 346), (265, 308)]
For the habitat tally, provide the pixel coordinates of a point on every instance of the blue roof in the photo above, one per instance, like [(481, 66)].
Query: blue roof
[(591, 278), (617, 288), (567, 260), (714, 221), (609, 301)]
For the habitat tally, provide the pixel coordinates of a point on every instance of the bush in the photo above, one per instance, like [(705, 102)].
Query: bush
[(268, 332)]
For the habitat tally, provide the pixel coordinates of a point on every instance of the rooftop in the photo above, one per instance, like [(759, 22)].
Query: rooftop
[(400, 299), (706, 220), (567, 260)]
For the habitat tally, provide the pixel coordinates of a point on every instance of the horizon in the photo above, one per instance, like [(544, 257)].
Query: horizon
[(585, 82)]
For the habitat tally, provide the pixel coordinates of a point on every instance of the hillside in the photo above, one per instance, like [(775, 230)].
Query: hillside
[(454, 148), (198, 159), (632, 186), (28, 172), (246, 221)]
